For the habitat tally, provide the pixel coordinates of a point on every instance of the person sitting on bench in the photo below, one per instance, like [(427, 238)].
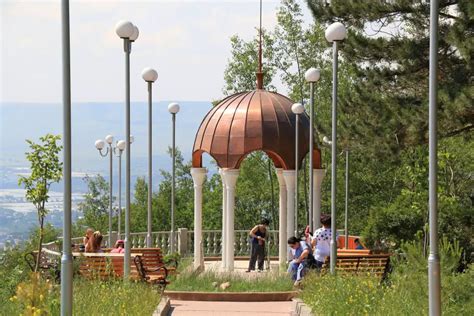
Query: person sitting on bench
[(299, 250), (321, 241)]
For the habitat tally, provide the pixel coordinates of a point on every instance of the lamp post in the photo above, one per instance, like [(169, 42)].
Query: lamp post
[(434, 273), (312, 75), (129, 33), (118, 150), (66, 258), (297, 109), (149, 75), (335, 33), (346, 211), (100, 144), (173, 108)]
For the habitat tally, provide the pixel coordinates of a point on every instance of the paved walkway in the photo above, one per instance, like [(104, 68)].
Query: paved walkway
[(239, 267), (184, 308)]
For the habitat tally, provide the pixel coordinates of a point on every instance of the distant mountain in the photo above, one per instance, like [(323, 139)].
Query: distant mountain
[(90, 121)]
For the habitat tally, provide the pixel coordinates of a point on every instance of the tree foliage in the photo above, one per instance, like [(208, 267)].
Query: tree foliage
[(46, 169), (388, 47)]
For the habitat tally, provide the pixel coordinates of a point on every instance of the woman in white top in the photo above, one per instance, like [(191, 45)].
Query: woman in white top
[(321, 241)]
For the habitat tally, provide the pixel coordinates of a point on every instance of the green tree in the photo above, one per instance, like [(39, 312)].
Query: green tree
[(95, 206), (46, 169), (388, 47)]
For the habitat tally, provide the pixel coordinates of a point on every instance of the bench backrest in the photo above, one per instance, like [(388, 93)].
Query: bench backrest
[(151, 259), (362, 264), (103, 268), (353, 251)]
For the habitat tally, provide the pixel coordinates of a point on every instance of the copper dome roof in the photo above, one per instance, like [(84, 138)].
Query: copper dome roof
[(252, 121)]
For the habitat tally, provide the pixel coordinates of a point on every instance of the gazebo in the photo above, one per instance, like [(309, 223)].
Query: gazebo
[(242, 123)]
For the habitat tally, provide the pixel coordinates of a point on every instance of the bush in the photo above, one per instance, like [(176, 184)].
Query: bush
[(406, 293), (39, 297)]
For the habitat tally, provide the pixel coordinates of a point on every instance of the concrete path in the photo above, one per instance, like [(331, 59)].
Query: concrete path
[(184, 308)]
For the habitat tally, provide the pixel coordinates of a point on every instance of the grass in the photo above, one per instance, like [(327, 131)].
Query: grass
[(203, 282), (406, 294), (37, 297)]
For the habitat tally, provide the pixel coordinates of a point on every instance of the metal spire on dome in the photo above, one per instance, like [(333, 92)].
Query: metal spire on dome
[(259, 72)]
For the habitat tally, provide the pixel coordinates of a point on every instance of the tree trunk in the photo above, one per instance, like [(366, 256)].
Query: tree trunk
[(273, 193), (38, 258)]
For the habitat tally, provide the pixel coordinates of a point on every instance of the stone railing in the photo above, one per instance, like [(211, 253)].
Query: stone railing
[(184, 242), (212, 242)]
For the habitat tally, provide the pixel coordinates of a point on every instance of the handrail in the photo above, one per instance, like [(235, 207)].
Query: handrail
[(51, 252)]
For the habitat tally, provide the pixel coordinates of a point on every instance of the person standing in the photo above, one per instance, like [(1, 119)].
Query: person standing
[(258, 235), (321, 241)]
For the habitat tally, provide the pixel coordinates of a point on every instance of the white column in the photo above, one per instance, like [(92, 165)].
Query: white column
[(289, 176), (199, 175), (282, 245), (230, 176), (224, 221), (318, 176)]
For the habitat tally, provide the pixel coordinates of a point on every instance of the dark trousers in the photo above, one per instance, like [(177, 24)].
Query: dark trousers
[(257, 252)]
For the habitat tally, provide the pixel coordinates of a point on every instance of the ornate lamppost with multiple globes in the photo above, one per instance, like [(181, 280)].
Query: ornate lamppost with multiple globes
[(99, 145)]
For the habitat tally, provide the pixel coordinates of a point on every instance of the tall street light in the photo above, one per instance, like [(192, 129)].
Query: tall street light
[(129, 33), (173, 108), (66, 258), (434, 273), (312, 75), (346, 211), (100, 144), (149, 75), (297, 109), (118, 150), (335, 33)]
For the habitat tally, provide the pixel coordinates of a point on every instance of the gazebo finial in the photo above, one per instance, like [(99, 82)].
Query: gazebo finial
[(259, 71)]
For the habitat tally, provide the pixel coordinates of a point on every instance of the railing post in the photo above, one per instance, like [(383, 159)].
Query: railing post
[(113, 239), (183, 241)]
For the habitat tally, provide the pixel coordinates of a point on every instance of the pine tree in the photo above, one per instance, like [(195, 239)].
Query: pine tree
[(388, 44)]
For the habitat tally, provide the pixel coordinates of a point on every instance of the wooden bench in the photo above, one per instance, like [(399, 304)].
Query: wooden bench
[(153, 258), (105, 266), (47, 267), (344, 251), (361, 264)]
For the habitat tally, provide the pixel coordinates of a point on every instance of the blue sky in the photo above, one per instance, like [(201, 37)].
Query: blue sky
[(186, 41)]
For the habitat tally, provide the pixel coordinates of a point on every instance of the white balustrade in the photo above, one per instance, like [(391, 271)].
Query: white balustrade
[(211, 242)]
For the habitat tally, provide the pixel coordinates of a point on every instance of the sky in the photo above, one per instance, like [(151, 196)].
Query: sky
[(187, 42)]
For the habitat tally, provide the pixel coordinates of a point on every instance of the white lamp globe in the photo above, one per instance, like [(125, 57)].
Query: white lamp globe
[(297, 108), (312, 75), (132, 139), (109, 139), (124, 29), (326, 140), (149, 74), (121, 145), (135, 34), (173, 108), (99, 144), (336, 32)]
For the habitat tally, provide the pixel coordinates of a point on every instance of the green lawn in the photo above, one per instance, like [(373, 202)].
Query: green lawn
[(203, 282)]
